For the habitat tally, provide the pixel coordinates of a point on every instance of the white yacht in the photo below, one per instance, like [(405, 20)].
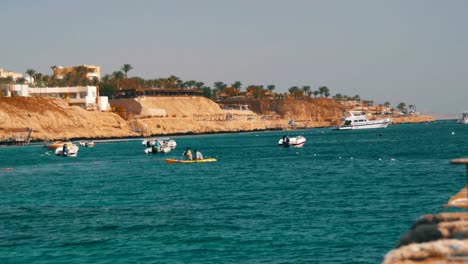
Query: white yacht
[(358, 120), (463, 119)]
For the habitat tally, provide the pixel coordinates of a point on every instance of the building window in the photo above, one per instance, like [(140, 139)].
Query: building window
[(82, 95)]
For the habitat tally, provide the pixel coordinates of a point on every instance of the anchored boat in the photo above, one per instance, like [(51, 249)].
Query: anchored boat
[(67, 150), (358, 120), (296, 142), (463, 119), (156, 145), (57, 144)]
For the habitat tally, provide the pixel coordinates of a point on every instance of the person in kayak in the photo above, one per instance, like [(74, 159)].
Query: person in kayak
[(188, 154), (198, 155)]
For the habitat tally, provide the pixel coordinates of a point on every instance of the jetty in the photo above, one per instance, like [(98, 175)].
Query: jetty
[(15, 136)]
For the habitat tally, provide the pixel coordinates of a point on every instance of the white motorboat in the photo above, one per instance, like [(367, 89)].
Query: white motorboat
[(87, 144), (67, 150), (157, 145), (295, 142), (463, 119), (358, 120)]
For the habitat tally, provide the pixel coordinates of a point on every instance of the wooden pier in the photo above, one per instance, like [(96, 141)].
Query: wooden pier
[(15, 136)]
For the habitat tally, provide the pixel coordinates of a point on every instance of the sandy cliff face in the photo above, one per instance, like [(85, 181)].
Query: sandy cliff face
[(54, 119), (307, 109)]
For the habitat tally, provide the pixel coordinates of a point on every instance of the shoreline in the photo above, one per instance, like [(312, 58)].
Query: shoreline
[(52, 119), (179, 134)]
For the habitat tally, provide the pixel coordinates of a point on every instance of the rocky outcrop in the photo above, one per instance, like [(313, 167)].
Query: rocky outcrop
[(439, 238), (412, 119)]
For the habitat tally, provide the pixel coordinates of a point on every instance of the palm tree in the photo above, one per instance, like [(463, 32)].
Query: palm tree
[(199, 85), (190, 84), (256, 91), (324, 91), (316, 93), (386, 104), (219, 86), (9, 80), (173, 82), (21, 80), (126, 68), (118, 75), (271, 87), (338, 97), (295, 91), (30, 72), (38, 78), (207, 92), (237, 85), (401, 107), (305, 89)]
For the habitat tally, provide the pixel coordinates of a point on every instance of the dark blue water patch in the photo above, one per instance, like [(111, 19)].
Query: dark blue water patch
[(345, 197)]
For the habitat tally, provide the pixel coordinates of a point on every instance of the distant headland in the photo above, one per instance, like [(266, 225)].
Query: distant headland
[(75, 102)]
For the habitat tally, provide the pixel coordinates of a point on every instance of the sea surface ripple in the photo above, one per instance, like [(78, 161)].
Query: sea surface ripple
[(345, 197)]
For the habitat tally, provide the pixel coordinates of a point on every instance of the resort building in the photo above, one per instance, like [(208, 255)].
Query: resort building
[(8, 90), (86, 97), (14, 75), (83, 96), (91, 71)]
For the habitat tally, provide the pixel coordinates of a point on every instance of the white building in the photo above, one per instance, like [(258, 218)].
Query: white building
[(8, 90), (14, 75), (84, 96)]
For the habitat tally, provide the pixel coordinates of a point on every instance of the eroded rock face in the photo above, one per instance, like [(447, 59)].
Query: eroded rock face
[(53, 119), (439, 238)]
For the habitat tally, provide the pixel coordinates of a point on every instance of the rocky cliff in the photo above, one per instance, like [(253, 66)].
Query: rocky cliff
[(147, 116), (54, 119)]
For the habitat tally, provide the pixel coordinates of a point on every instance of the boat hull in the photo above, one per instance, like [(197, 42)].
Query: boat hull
[(58, 144), (72, 151), (368, 125), (295, 142), (190, 161)]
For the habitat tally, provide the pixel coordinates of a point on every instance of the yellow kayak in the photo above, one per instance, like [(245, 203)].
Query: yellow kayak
[(190, 161)]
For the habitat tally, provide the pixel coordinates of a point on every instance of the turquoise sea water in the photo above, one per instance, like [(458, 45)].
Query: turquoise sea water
[(345, 197)]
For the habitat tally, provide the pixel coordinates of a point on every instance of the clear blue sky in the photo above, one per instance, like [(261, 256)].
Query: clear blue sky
[(396, 50)]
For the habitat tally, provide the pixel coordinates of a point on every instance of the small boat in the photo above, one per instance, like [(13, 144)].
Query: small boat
[(158, 145), (463, 119), (67, 150), (57, 144), (358, 120), (190, 161), (295, 142), (87, 144)]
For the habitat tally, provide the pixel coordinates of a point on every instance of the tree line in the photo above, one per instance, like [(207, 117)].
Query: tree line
[(111, 82)]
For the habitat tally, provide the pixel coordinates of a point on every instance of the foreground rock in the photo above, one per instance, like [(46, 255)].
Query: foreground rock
[(440, 238)]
